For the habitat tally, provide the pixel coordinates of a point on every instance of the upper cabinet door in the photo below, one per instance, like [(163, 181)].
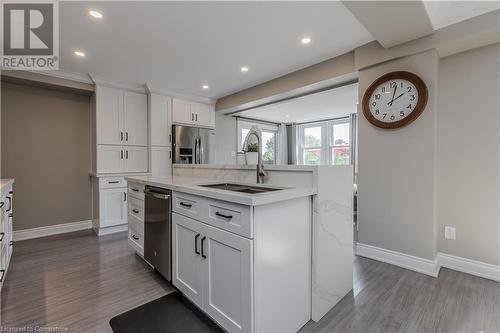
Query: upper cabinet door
[(227, 271), (135, 159), (203, 115), (135, 118), (110, 159), (109, 115), (161, 120), (181, 112)]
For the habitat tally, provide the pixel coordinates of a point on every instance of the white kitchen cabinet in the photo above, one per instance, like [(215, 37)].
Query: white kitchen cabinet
[(227, 278), (112, 207), (109, 115), (204, 114), (161, 161), (186, 264), (161, 120), (192, 113), (213, 268), (135, 159), (121, 117), (135, 120), (116, 159)]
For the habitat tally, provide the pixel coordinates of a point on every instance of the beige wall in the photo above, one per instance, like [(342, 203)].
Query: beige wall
[(396, 169), (468, 169), (45, 142)]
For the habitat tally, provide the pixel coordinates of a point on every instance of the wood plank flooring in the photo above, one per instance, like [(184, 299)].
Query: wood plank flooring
[(80, 281)]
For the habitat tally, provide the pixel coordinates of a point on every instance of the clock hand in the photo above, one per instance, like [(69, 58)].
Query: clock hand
[(395, 99), (393, 94)]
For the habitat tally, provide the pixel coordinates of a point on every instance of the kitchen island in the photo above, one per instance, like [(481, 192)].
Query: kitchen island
[(257, 262)]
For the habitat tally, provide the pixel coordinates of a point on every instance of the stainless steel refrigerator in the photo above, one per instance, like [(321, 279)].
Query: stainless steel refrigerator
[(191, 144)]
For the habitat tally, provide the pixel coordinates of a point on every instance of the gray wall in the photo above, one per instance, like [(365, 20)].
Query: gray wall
[(45, 142), (468, 168), (396, 198)]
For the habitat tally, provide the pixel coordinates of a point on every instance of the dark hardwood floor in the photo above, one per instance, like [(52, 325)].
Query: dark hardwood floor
[(80, 281)]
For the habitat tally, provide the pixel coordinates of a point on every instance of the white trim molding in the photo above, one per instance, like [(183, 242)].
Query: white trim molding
[(19, 235), (417, 264), (469, 266), (427, 266)]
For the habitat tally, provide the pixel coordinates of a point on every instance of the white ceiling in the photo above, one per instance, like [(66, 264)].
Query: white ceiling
[(445, 13), (328, 104), (178, 46)]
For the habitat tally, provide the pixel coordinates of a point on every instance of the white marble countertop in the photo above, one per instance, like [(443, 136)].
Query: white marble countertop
[(191, 185), (4, 183)]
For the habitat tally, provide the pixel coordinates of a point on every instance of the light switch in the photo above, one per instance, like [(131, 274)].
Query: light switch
[(450, 232)]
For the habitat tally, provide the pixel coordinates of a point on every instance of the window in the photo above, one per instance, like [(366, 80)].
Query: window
[(270, 139), (325, 142)]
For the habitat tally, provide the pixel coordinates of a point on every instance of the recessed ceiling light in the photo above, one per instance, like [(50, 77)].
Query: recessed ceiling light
[(244, 69), (305, 40), (205, 86), (95, 13), (79, 53)]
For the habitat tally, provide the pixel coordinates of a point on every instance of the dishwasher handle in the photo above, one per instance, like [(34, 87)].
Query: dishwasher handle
[(156, 194)]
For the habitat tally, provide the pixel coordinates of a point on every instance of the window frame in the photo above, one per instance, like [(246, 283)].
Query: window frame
[(264, 127), (327, 139)]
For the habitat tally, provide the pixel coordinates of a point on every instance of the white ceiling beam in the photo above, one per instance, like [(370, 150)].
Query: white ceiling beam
[(392, 22)]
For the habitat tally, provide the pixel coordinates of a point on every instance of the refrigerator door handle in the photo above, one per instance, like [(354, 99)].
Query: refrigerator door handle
[(201, 151), (198, 150), (195, 157)]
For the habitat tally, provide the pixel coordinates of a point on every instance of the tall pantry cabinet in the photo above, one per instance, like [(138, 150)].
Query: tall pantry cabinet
[(120, 134)]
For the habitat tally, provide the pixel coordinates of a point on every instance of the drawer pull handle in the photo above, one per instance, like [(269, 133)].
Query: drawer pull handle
[(185, 204), (135, 211), (135, 190), (196, 244), (224, 216), (135, 237), (1, 204), (1, 235), (113, 182), (10, 204), (3, 273), (202, 251)]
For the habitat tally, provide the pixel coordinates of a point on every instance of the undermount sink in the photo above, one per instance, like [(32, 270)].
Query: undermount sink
[(241, 188)]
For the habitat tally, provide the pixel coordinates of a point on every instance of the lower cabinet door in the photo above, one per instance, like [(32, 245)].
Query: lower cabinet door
[(227, 277), (186, 265), (112, 207)]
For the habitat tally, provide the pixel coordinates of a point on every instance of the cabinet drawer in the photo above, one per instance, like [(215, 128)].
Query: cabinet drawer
[(136, 208), (229, 216), (136, 190), (112, 182), (135, 235), (186, 204)]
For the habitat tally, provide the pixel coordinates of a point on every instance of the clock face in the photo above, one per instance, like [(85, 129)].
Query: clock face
[(393, 100)]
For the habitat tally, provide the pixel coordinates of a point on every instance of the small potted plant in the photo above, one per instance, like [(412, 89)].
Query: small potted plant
[(252, 153)]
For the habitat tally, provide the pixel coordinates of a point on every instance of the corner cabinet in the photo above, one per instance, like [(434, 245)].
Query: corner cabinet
[(192, 113)]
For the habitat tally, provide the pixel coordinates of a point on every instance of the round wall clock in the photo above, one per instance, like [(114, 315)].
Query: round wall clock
[(395, 100)]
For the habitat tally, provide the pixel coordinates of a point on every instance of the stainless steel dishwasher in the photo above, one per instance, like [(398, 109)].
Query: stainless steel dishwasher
[(157, 230)]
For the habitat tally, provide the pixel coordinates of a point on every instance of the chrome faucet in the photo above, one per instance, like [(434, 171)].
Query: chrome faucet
[(261, 173)]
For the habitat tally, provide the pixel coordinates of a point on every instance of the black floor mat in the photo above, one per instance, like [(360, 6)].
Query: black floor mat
[(169, 314)]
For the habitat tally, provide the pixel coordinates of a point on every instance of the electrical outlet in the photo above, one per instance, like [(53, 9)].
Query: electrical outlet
[(450, 232)]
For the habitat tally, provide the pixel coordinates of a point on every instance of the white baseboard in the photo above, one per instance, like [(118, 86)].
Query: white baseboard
[(429, 267), (469, 266), (417, 264), (110, 230), (19, 235)]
